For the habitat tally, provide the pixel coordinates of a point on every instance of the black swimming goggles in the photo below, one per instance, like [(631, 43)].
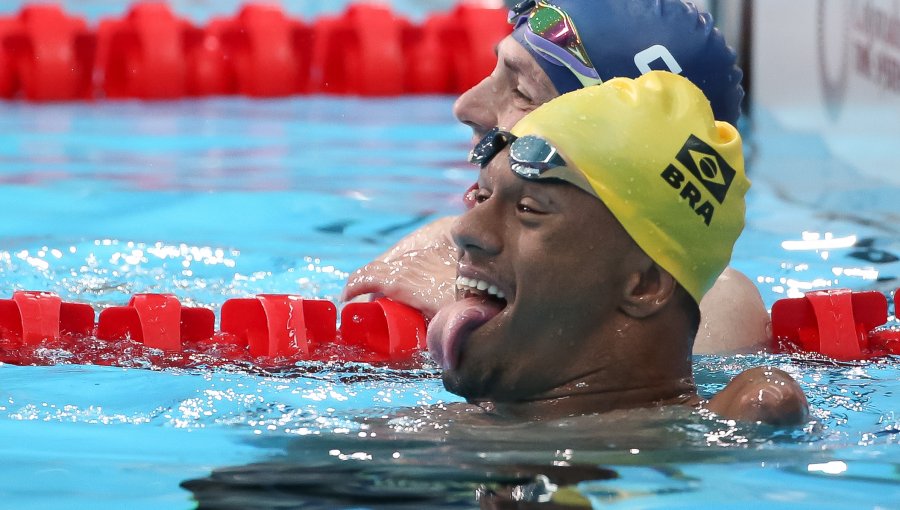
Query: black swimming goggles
[(530, 157)]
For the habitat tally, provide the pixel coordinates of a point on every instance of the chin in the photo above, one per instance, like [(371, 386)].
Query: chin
[(456, 383)]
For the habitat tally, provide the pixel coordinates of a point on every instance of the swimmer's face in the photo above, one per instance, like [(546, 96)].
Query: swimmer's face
[(560, 260), (517, 86)]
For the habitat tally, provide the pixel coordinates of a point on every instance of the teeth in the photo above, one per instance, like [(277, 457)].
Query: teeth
[(472, 284)]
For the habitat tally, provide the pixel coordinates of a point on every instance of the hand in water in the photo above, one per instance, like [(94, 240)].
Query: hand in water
[(419, 271)]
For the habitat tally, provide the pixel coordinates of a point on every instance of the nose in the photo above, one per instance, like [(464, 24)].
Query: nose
[(477, 108), (478, 231)]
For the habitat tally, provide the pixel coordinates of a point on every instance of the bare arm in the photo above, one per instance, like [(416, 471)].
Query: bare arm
[(419, 271), (733, 317)]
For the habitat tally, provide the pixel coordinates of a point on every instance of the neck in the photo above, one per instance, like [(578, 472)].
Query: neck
[(634, 365), (581, 397)]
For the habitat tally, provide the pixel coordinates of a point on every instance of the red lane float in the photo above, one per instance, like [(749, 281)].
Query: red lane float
[(268, 51), (837, 323), (143, 55), (34, 317), (383, 326), (156, 320), (8, 76), (471, 40), (51, 54), (265, 329), (359, 52), (211, 68), (151, 53)]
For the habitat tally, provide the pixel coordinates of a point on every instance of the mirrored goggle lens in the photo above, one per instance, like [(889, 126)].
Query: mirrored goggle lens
[(552, 24), (530, 156), (489, 146)]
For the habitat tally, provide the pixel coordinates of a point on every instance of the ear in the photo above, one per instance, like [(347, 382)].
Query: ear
[(647, 291)]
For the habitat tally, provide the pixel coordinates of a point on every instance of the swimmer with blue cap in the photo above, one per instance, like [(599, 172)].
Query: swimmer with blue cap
[(601, 220), (557, 47)]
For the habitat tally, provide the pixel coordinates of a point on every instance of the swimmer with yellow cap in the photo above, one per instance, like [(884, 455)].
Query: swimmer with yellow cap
[(601, 220)]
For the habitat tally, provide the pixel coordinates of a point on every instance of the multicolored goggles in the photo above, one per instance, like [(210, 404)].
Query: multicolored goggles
[(530, 157), (552, 34)]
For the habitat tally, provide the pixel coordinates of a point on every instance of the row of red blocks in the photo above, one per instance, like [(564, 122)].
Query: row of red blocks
[(150, 53), (267, 325), (840, 324)]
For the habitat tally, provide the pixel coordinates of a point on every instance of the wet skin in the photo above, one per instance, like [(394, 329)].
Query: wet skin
[(419, 270), (517, 86), (588, 322)]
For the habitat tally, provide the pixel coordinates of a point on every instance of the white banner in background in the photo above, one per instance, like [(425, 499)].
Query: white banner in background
[(833, 67)]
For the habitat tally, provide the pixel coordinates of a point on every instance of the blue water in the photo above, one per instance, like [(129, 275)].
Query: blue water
[(220, 198)]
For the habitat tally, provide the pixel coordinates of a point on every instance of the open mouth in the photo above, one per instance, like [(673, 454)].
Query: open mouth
[(473, 287), (477, 302)]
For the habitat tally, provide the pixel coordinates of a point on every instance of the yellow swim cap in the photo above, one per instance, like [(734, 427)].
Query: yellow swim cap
[(650, 149)]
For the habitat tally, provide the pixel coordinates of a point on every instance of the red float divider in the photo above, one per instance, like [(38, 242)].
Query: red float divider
[(453, 52), (34, 317), (265, 328), (151, 53), (143, 55), (270, 52), (385, 327), (155, 320), (52, 54), (211, 68), (360, 52), (837, 323), (9, 81), (279, 324), (269, 324)]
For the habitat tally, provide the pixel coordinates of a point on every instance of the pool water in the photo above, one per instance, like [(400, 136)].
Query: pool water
[(220, 198)]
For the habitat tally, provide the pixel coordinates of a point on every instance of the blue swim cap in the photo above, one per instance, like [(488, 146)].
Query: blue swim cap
[(627, 38)]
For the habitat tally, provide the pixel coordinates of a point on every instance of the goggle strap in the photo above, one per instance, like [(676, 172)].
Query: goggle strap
[(549, 49)]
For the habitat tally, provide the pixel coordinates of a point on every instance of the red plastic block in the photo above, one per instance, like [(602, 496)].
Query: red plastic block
[(269, 324), (76, 319), (30, 317), (360, 52), (835, 323), (118, 323), (160, 317), (269, 52), (427, 57), (471, 38), (35, 317), (144, 55), (197, 324), (156, 320), (886, 341), (40, 316), (383, 326), (321, 320), (210, 68), (53, 54), (9, 81)]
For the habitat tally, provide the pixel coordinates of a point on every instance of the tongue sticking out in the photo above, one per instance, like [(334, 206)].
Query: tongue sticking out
[(452, 323)]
